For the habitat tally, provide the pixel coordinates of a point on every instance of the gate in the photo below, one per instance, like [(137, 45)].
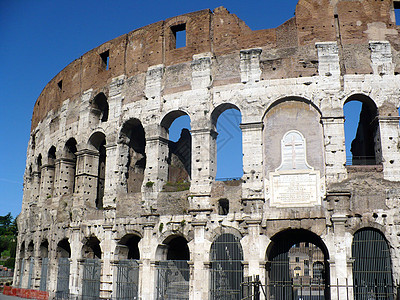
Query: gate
[(43, 274), (30, 274), (62, 291), (372, 268), (226, 267), (127, 279), (91, 279), (172, 280)]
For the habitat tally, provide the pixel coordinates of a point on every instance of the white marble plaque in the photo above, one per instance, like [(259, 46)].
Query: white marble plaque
[(294, 183)]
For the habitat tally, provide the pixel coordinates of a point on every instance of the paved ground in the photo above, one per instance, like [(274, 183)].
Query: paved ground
[(4, 297)]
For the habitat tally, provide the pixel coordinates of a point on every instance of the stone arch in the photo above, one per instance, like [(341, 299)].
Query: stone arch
[(284, 99), (289, 114), (99, 107), (365, 147), (133, 141), (44, 264), (63, 255), (372, 267), (128, 247), (98, 141), (179, 158), (91, 248), (226, 149), (51, 156), (68, 163), (226, 256), (295, 248), (225, 230)]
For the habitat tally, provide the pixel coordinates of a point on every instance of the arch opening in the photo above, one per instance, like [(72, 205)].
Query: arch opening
[(44, 261), (176, 128), (100, 107), (91, 253), (372, 267), (98, 141), (290, 255), (134, 144), (70, 151), (173, 272), (226, 267), (361, 131), (226, 119), (63, 255)]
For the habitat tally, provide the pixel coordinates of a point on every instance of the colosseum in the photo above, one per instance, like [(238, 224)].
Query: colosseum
[(114, 209)]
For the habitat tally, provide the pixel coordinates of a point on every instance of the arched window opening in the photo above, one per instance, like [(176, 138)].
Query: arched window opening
[(290, 254), (177, 129), (98, 140), (223, 207), (63, 255), (39, 168), (100, 107), (226, 267), (44, 256), (21, 264), (226, 120), (31, 259), (128, 267), (173, 272), (133, 138), (49, 172), (70, 165), (91, 253), (361, 131), (372, 267)]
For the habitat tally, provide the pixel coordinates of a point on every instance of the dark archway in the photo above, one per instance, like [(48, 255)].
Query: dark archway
[(70, 151), (133, 139), (372, 268), (63, 255), (91, 253), (44, 261), (290, 255), (98, 141), (226, 267), (173, 273), (100, 107)]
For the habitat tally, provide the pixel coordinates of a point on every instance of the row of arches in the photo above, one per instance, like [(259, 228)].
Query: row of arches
[(296, 260), (175, 126)]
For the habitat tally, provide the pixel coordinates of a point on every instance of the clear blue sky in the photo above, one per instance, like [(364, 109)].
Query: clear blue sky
[(40, 37)]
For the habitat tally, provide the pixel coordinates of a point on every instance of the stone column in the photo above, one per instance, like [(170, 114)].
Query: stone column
[(381, 58), (111, 178), (87, 163), (339, 252), (253, 185), (335, 154), (107, 247), (76, 245), (389, 138), (64, 177), (148, 275), (203, 164), (36, 181), (199, 254), (250, 70)]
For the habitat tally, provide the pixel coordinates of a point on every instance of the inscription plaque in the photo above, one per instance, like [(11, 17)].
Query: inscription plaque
[(294, 183)]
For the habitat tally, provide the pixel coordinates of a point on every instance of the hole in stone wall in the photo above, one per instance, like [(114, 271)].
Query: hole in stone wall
[(361, 130), (226, 119), (131, 247), (98, 141), (100, 107), (177, 126), (223, 206), (59, 84), (133, 137), (105, 59), (63, 249), (52, 155), (178, 249), (178, 36), (44, 249), (70, 153), (91, 249)]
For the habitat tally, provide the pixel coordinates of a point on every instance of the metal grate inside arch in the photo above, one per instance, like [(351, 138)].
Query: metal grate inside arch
[(226, 268), (372, 268)]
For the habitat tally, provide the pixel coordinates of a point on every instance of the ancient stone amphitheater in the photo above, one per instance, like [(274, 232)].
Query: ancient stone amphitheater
[(113, 209)]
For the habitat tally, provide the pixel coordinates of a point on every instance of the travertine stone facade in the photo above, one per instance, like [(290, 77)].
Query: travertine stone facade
[(100, 163)]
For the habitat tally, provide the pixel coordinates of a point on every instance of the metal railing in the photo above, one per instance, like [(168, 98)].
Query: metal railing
[(360, 160), (253, 289)]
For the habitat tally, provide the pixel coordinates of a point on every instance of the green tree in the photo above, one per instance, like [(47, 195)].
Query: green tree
[(8, 237)]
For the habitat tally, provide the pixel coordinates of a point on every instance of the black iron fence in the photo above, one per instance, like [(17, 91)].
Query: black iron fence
[(252, 289)]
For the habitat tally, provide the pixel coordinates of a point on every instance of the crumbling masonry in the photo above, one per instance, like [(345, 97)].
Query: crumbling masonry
[(113, 209)]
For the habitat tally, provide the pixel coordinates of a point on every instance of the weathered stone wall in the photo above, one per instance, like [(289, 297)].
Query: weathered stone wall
[(295, 77)]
